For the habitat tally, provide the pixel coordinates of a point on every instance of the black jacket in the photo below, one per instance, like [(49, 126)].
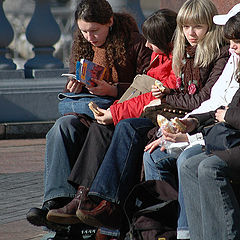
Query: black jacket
[(232, 117)]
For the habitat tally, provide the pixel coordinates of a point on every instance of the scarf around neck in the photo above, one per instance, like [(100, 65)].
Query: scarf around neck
[(191, 75), (99, 58)]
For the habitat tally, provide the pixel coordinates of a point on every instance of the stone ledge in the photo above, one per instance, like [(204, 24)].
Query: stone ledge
[(25, 129)]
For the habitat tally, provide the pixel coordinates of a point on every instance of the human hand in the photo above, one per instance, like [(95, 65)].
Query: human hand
[(156, 92), (174, 137), (102, 88), (106, 118), (153, 145), (74, 86), (220, 114), (191, 124)]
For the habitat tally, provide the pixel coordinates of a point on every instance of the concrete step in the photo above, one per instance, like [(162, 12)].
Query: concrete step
[(25, 130)]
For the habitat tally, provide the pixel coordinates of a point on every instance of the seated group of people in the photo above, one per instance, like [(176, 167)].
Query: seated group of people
[(91, 164)]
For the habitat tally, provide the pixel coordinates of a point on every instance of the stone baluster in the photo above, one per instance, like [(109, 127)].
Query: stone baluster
[(6, 37), (131, 6), (42, 32)]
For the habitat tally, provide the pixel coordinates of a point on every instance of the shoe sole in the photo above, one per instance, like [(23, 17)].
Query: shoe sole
[(41, 222), (91, 221), (63, 219)]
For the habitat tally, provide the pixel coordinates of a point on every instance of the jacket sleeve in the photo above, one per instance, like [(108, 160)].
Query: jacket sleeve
[(72, 68), (143, 55), (204, 119), (232, 115), (131, 108), (162, 70), (190, 102), (138, 58)]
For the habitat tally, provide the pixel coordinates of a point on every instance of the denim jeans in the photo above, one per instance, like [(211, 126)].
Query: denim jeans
[(121, 167), (159, 165), (211, 206), (183, 230), (80, 105), (64, 141)]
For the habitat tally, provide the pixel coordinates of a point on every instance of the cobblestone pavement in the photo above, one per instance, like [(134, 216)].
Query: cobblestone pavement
[(21, 187)]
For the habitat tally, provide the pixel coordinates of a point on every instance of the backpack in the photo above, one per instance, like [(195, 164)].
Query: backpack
[(152, 211)]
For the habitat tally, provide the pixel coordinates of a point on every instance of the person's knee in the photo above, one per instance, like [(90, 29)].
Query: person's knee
[(197, 149), (63, 124), (184, 167), (210, 168), (147, 160)]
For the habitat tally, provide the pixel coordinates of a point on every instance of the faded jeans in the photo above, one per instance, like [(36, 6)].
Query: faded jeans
[(64, 142), (160, 165), (121, 167), (211, 206)]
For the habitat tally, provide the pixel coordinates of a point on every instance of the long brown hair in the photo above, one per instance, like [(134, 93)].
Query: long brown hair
[(118, 37)]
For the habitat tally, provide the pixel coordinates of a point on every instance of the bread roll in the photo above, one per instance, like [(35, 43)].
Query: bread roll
[(159, 85), (178, 125), (165, 124), (93, 106)]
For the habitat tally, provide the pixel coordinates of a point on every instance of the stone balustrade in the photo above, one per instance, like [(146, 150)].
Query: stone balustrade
[(30, 93)]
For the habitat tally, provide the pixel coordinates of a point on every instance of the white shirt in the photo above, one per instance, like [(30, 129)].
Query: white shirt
[(223, 90), (221, 95)]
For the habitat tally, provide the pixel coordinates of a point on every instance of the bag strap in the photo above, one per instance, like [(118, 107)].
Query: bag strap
[(150, 65)]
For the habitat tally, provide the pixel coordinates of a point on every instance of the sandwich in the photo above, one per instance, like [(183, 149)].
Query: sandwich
[(94, 108), (159, 85)]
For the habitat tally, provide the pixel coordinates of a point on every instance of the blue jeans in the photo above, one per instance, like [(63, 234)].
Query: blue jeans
[(159, 165), (121, 167), (80, 105), (64, 141), (211, 206), (183, 230)]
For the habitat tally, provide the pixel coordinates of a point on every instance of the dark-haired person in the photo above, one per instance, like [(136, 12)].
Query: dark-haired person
[(158, 29), (111, 40), (199, 70)]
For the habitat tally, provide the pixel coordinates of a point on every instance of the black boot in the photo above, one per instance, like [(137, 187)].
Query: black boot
[(37, 216)]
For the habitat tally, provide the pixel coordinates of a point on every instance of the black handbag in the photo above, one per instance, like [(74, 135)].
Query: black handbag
[(164, 109), (220, 137)]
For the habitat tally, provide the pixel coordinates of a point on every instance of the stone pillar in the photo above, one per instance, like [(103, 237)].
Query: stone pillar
[(131, 6), (6, 37), (42, 32)]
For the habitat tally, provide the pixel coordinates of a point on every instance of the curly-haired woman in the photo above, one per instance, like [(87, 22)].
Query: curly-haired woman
[(111, 40)]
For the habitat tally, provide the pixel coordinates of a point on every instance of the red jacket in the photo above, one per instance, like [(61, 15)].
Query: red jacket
[(161, 70)]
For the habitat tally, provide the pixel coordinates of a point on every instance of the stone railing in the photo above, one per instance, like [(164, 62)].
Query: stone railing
[(29, 93)]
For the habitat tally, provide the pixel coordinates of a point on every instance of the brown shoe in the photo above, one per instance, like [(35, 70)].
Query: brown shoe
[(104, 214), (67, 214)]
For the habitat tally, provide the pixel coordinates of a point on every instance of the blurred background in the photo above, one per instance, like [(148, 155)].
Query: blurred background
[(19, 13)]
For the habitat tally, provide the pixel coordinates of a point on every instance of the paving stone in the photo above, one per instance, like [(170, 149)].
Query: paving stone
[(21, 187)]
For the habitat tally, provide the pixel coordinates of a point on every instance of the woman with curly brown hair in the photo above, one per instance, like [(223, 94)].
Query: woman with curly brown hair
[(111, 40)]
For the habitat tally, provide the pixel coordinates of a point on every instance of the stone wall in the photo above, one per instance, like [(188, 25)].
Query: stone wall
[(222, 5)]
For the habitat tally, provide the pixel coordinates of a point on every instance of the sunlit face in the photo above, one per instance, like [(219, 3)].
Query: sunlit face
[(93, 32), (194, 33), (235, 45), (152, 47)]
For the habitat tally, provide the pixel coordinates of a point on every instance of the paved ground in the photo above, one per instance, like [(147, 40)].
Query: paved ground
[(21, 187)]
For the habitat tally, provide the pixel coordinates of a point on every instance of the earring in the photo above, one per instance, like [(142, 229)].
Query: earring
[(110, 28)]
